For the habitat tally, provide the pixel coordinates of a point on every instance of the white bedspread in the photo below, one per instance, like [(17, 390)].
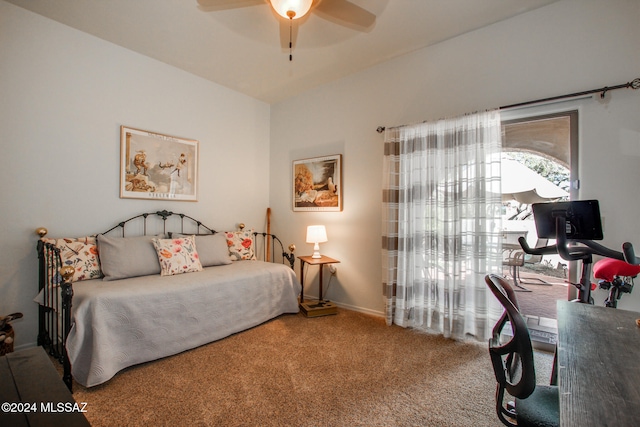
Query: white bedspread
[(125, 322)]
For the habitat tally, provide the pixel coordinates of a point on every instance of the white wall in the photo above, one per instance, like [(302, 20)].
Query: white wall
[(566, 47), (63, 96)]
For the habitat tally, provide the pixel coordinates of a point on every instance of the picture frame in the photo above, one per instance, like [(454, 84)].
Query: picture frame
[(156, 166), (317, 184)]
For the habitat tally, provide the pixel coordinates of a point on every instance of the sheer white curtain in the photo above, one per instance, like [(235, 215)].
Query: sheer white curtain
[(441, 224)]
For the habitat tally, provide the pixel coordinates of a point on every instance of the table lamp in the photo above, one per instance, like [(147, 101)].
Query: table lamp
[(316, 234)]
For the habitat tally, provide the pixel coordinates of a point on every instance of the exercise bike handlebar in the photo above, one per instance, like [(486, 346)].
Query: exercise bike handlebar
[(598, 249), (580, 252), (575, 253), (543, 250), (629, 254)]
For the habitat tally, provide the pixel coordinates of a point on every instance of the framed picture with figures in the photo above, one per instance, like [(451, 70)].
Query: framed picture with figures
[(155, 166), (317, 184)]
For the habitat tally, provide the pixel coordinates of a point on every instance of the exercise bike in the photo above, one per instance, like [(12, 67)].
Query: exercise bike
[(575, 225)]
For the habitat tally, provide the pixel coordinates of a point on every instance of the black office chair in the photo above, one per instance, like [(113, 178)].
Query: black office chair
[(535, 405)]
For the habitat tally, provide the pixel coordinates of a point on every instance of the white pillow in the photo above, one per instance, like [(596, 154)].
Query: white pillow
[(212, 248)]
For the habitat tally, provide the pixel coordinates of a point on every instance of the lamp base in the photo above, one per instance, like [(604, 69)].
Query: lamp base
[(316, 251)]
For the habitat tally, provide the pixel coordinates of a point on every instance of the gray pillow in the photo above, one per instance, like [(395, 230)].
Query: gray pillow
[(122, 257), (212, 248)]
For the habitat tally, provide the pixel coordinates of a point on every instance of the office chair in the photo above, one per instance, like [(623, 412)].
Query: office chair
[(535, 405)]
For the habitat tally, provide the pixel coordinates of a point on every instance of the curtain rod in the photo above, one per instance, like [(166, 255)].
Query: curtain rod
[(634, 84)]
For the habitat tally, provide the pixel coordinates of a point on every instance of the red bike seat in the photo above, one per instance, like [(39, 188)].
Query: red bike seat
[(608, 268)]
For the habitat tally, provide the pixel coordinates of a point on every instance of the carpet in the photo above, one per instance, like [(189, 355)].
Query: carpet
[(344, 370)]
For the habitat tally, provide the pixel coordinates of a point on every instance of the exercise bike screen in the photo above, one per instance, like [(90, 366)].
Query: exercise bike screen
[(582, 219)]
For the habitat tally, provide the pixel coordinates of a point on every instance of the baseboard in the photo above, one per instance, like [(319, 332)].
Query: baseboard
[(540, 340), (350, 307), (24, 346)]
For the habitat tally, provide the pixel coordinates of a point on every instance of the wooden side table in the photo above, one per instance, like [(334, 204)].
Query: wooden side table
[(321, 307)]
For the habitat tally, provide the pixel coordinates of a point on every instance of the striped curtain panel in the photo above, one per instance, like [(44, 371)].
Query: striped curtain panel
[(441, 225)]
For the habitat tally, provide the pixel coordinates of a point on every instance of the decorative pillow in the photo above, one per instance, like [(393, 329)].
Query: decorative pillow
[(177, 255), (212, 249), (123, 257), (240, 244), (81, 254)]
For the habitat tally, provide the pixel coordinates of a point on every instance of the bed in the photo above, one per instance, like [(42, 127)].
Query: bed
[(108, 301)]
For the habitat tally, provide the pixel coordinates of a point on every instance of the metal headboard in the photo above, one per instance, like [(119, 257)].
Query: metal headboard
[(164, 215)]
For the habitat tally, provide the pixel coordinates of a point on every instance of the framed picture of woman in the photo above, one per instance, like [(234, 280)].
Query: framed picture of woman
[(317, 184)]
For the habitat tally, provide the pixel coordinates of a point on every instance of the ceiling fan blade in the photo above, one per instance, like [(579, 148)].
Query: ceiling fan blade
[(213, 5), (345, 13)]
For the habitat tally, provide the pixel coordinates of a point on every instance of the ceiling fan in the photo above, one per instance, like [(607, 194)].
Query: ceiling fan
[(341, 12)]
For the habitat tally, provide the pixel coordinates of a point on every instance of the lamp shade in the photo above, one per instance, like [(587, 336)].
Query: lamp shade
[(316, 234), (291, 9)]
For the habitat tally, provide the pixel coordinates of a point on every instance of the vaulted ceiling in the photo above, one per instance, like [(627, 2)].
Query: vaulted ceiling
[(241, 48)]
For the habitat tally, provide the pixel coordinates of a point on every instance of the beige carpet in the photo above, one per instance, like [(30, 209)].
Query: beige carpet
[(344, 370)]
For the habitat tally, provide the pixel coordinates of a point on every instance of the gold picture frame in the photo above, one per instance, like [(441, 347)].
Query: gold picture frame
[(155, 166), (317, 184)]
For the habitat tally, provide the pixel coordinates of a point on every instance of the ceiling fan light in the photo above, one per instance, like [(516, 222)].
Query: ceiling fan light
[(291, 9)]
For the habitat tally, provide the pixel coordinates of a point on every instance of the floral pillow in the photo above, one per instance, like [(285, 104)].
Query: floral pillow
[(177, 255), (79, 253), (240, 245)]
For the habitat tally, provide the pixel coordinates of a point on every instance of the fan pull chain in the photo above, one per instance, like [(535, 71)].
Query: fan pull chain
[(290, 39)]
